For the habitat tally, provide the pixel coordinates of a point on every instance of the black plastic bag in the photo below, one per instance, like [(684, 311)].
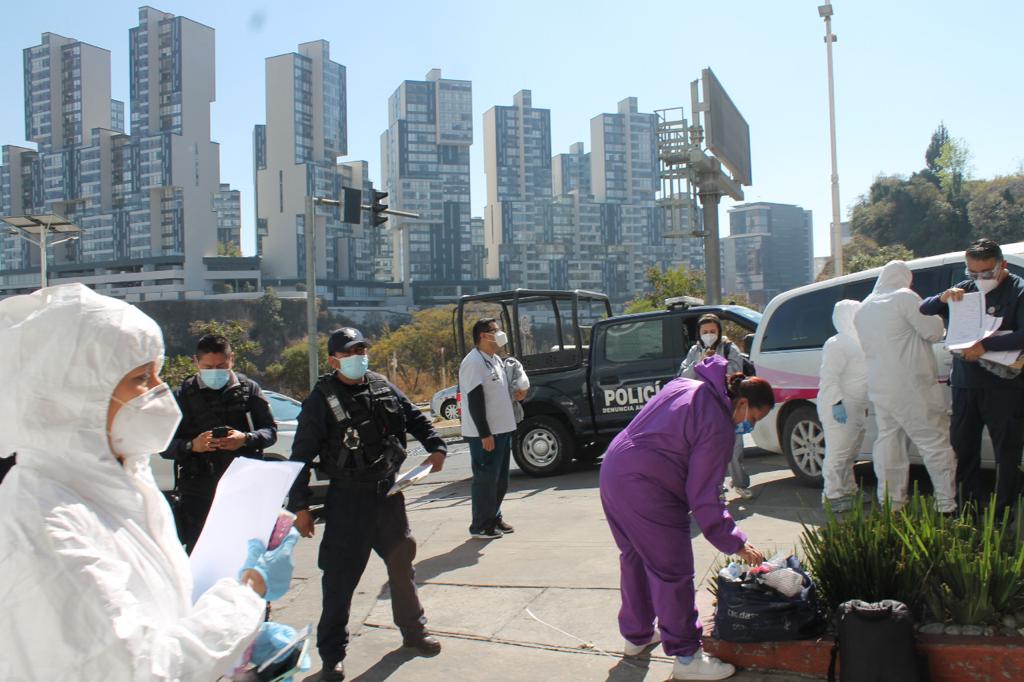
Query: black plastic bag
[(749, 611)]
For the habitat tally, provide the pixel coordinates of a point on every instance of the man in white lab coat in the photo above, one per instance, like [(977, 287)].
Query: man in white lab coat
[(903, 385)]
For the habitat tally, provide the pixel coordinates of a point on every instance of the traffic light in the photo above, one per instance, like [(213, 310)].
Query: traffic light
[(352, 208), (379, 217)]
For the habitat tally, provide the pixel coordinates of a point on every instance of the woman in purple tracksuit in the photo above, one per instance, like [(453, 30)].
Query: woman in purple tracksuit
[(670, 461)]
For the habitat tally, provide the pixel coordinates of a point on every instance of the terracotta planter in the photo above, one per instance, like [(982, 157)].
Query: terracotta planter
[(950, 658)]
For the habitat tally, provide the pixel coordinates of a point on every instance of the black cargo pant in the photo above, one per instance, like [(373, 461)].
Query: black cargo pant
[(358, 520), (1002, 411)]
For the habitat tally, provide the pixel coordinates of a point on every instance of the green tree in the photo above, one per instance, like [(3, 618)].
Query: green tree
[(996, 209), (931, 155), (953, 166), (863, 254), (269, 328), (662, 284), (422, 351), (911, 212), (290, 374), (228, 249), (177, 368)]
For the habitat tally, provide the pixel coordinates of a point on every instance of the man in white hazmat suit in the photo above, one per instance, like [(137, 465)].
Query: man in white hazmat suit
[(903, 385), (95, 584), (842, 406)]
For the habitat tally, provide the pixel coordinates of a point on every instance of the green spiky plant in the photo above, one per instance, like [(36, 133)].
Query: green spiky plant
[(967, 570)]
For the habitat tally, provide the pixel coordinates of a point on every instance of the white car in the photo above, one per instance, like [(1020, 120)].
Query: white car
[(787, 353), (286, 414), (445, 403)]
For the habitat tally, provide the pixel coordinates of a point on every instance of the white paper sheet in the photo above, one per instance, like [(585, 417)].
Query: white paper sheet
[(410, 477), (968, 322), (248, 499)]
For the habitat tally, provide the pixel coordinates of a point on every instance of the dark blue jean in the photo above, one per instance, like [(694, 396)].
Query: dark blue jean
[(490, 480)]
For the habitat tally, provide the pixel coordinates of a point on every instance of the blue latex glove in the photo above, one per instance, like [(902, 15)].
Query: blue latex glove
[(275, 566), (839, 413), (271, 638)]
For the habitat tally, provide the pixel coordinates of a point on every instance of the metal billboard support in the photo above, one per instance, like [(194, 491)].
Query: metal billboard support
[(686, 162)]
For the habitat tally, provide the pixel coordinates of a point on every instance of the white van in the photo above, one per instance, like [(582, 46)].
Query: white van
[(787, 353)]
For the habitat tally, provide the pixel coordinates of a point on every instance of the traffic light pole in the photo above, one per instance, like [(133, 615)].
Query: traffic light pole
[(309, 236), (309, 233)]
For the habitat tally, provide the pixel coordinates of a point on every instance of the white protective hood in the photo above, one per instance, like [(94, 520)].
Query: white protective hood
[(843, 375), (95, 583), (897, 341)]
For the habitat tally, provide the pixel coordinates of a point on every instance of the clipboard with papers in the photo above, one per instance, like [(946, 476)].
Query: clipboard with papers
[(969, 323)]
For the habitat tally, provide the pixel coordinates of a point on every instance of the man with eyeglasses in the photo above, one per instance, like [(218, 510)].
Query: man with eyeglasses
[(981, 397)]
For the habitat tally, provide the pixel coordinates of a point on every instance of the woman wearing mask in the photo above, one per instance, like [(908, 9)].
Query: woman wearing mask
[(712, 342), (95, 583), (668, 463)]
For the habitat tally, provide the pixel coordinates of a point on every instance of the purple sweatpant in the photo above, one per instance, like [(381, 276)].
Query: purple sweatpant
[(652, 530)]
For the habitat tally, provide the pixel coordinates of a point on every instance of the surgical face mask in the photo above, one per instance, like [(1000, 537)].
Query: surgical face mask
[(215, 378), (500, 338), (745, 426), (986, 285), (145, 424), (354, 366), (708, 339)]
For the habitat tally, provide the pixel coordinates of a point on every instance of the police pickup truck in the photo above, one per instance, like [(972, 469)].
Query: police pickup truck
[(589, 372)]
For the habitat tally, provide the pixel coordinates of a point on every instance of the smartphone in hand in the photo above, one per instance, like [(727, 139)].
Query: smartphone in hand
[(220, 432)]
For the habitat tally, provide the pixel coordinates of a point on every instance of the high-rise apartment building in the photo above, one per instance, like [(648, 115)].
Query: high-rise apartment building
[(596, 225), (521, 249), (296, 155), (227, 204), (425, 170), (145, 200), (770, 249)]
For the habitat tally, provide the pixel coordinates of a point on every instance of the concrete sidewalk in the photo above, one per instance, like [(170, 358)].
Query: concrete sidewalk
[(537, 604)]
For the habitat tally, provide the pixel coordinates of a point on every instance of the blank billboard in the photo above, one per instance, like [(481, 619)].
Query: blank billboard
[(728, 134)]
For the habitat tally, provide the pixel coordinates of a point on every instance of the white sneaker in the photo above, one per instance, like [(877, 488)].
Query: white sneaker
[(702, 667), (630, 649)]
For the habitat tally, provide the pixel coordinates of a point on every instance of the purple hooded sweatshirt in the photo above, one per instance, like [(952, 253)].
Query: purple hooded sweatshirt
[(670, 461)]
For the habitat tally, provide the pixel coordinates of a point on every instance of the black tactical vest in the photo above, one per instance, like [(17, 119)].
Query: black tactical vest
[(205, 410), (362, 444)]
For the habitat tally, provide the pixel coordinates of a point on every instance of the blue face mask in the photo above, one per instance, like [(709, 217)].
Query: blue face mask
[(354, 366), (745, 426), (215, 378)]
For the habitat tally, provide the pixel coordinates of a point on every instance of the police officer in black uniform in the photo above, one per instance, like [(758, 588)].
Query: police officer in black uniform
[(224, 416), (356, 421)]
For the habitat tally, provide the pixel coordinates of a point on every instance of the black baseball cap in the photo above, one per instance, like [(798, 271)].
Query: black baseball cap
[(345, 339)]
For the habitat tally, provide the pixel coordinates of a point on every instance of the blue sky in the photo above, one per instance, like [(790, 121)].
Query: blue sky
[(901, 68)]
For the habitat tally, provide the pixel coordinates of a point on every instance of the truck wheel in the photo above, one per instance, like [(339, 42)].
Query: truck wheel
[(542, 446), (449, 410), (803, 441)]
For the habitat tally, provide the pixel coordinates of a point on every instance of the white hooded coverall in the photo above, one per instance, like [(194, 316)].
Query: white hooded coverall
[(903, 385), (843, 378), (95, 584)]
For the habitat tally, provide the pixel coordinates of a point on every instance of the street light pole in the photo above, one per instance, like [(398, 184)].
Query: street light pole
[(825, 12)]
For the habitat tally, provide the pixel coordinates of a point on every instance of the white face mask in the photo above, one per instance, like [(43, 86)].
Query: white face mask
[(708, 339), (145, 424), (986, 285), (500, 338)]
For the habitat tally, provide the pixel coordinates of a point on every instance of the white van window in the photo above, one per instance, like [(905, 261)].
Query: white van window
[(802, 322)]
